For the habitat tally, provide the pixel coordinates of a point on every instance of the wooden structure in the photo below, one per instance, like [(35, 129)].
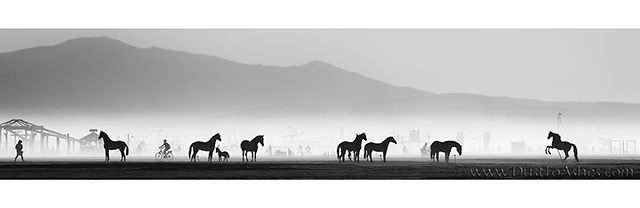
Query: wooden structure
[(624, 146), (35, 138), (90, 144), (414, 138)]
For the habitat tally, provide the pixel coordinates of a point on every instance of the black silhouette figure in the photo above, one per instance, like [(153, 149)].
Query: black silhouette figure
[(354, 147), (561, 145), (208, 146), (378, 147), (222, 155), (19, 151), (251, 146), (438, 146), (113, 145)]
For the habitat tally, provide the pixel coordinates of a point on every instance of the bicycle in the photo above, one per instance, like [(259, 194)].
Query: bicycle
[(168, 156)]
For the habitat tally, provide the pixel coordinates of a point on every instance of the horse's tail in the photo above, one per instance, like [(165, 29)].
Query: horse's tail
[(190, 148), (126, 147), (575, 151)]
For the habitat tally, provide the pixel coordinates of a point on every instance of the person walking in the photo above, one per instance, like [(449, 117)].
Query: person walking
[(19, 151)]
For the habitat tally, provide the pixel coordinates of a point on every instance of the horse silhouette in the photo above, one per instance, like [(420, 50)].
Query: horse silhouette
[(438, 146), (561, 145), (222, 154), (378, 147), (113, 145), (204, 146), (354, 147), (251, 146)]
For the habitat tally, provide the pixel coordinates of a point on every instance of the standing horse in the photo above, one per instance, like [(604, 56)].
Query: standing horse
[(438, 146), (113, 145), (251, 146), (222, 154), (354, 147), (378, 147), (561, 145), (204, 146)]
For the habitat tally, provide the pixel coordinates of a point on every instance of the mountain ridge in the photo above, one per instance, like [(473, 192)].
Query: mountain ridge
[(80, 69)]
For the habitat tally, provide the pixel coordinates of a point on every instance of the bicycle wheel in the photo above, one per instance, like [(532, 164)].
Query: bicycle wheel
[(169, 156), (158, 156)]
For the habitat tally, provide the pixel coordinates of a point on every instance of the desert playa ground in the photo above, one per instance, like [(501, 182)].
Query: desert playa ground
[(467, 167)]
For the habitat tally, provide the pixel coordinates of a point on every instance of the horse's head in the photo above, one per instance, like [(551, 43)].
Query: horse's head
[(459, 148), (392, 140), (361, 136), (217, 149), (216, 137), (260, 139), (102, 135)]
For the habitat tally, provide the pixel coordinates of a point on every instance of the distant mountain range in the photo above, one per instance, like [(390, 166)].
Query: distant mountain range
[(104, 75)]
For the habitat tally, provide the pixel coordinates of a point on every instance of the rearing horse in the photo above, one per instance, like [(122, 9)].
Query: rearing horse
[(113, 145), (378, 147), (561, 145), (438, 146), (354, 146), (251, 146), (204, 146)]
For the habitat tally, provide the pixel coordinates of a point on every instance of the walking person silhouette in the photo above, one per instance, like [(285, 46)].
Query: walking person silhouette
[(19, 151)]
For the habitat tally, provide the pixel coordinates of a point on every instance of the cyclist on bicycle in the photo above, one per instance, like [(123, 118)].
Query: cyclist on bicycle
[(166, 147)]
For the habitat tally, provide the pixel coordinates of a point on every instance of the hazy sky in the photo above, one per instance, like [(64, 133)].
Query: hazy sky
[(551, 65)]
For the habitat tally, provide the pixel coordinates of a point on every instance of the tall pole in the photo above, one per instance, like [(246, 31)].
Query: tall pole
[(68, 144), (58, 144), (42, 149)]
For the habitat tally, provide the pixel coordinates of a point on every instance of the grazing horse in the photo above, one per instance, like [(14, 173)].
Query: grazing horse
[(354, 147), (561, 145), (204, 146), (222, 154), (378, 147), (438, 146), (113, 145), (251, 146)]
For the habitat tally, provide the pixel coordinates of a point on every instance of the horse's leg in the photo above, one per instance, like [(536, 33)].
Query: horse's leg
[(384, 156), (566, 154), (342, 153), (195, 153), (438, 157), (446, 157), (121, 154), (106, 155)]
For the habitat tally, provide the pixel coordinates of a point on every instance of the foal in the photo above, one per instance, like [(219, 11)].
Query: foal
[(222, 154)]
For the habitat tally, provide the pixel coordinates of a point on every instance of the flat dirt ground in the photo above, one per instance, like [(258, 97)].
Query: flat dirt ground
[(468, 167)]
